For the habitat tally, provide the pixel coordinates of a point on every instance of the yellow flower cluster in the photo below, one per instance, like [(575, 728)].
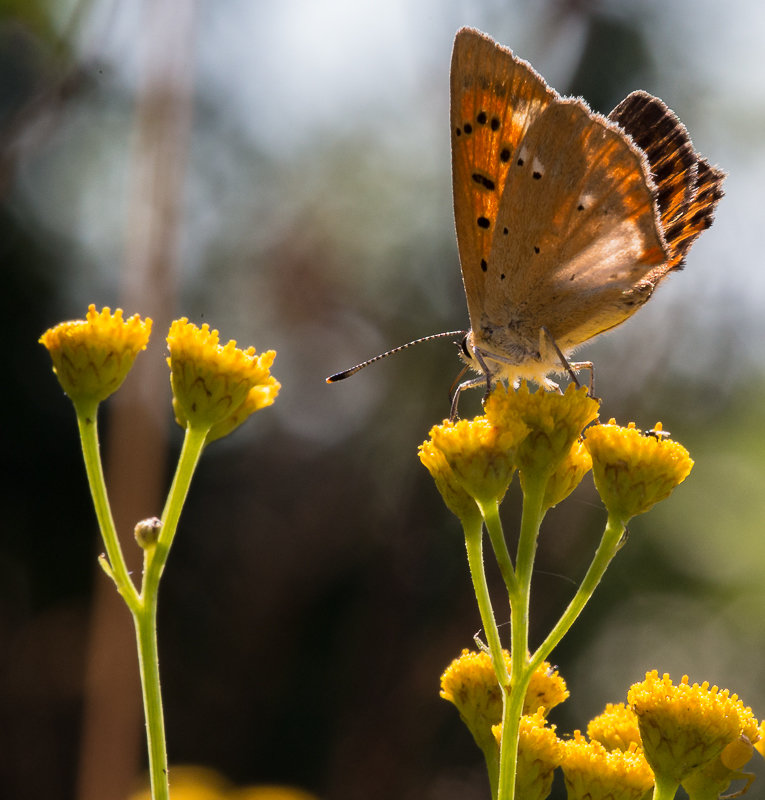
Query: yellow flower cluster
[(554, 422), (684, 727), (616, 728), (593, 772), (470, 683), (214, 387), (696, 735), (472, 461)]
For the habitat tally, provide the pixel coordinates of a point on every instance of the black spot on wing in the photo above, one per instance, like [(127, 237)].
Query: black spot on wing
[(482, 180)]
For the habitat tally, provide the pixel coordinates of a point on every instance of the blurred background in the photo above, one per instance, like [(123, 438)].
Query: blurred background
[(281, 170)]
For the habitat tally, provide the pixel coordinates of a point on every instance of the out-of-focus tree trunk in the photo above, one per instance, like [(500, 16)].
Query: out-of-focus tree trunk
[(112, 740)]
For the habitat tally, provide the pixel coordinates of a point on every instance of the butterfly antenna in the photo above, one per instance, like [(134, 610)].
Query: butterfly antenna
[(346, 373)]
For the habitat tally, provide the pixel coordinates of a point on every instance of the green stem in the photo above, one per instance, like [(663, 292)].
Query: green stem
[(665, 788), (607, 549), (148, 663), (520, 671), (474, 544), (512, 711), (87, 422), (145, 616), (193, 443), (490, 513), (531, 519)]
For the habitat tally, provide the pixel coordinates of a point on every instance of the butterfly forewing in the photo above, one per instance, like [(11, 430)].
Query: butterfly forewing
[(590, 231), (494, 99)]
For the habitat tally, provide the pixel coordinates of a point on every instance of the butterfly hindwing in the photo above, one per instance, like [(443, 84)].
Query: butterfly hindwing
[(577, 228), (671, 158), (689, 188)]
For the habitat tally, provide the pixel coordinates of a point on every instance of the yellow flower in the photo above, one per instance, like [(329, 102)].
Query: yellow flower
[(91, 357), (539, 754), (479, 455), (258, 397), (216, 387), (457, 500), (593, 773), (633, 472), (684, 727), (616, 728), (554, 420), (567, 475), (547, 688), (470, 683)]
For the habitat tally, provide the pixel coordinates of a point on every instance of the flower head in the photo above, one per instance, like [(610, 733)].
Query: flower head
[(457, 500), (470, 683), (547, 689), (593, 773), (616, 728), (567, 475), (91, 357), (479, 455), (633, 472), (216, 387), (684, 727), (554, 420), (539, 754)]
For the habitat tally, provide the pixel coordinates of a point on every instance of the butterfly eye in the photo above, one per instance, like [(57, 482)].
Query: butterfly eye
[(463, 345)]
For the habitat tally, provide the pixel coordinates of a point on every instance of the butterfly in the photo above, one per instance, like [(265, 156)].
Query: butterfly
[(566, 220)]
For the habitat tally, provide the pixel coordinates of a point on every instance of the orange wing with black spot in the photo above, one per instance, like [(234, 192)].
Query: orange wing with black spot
[(494, 99)]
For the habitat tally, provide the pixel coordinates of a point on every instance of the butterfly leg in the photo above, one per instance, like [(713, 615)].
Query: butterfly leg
[(469, 384), (749, 776), (572, 367), (486, 371), (577, 366)]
